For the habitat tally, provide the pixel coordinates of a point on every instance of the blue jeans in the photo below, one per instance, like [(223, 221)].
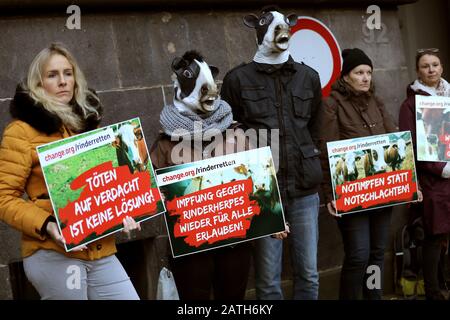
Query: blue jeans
[(302, 216), (365, 236)]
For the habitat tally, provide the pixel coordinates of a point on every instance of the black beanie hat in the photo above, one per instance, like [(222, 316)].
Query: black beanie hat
[(353, 58)]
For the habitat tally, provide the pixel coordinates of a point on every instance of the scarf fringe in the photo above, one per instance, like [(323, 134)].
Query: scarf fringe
[(443, 88)]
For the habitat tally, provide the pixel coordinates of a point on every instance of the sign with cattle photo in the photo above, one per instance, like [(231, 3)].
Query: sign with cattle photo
[(98, 178), (221, 201), (372, 172), (433, 128)]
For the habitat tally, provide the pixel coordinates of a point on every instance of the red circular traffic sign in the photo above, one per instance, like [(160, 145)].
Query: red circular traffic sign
[(315, 45)]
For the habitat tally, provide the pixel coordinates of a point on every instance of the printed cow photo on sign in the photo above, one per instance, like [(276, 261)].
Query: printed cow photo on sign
[(345, 167), (433, 128), (130, 146), (354, 165)]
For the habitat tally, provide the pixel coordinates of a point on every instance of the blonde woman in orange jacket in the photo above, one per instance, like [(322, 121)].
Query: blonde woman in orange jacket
[(54, 103)]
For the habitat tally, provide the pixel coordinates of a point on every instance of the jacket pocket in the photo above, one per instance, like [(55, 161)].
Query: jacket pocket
[(302, 101), (309, 173), (257, 103)]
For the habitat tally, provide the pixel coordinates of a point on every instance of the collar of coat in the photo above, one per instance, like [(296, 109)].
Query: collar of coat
[(271, 68), (412, 92), (344, 93), (25, 108)]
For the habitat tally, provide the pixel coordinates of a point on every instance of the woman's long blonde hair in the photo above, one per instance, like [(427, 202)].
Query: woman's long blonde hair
[(81, 92)]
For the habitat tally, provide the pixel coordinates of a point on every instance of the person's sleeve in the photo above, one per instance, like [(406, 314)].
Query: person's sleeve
[(15, 168), (329, 131), (231, 94), (407, 121)]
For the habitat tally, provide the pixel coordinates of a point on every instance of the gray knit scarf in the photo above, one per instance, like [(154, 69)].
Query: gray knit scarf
[(174, 122)]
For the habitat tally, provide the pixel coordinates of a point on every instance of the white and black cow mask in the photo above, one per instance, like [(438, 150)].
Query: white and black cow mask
[(195, 88), (272, 35)]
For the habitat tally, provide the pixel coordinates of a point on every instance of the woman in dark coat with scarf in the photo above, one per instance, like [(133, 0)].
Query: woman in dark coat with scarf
[(433, 176), (351, 111)]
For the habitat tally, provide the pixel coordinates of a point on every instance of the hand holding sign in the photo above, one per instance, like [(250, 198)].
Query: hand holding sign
[(130, 225), (282, 235), (419, 196), (53, 231), (331, 206)]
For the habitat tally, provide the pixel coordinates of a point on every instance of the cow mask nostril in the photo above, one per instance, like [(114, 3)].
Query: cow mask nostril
[(283, 39)]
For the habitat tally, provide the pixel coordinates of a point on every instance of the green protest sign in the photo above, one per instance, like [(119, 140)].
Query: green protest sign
[(97, 178), (372, 172), (221, 201)]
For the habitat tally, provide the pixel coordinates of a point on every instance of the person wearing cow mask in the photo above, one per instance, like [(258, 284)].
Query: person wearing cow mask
[(53, 103), (352, 110), (197, 112), (275, 92), (434, 177)]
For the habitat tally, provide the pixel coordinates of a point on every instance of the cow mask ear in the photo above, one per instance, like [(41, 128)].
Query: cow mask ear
[(292, 19), (178, 64), (214, 71), (251, 20)]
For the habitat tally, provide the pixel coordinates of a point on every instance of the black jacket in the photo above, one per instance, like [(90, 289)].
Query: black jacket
[(288, 98)]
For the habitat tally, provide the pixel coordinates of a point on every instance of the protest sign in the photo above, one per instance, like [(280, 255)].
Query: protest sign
[(221, 201), (433, 128), (97, 178), (372, 172)]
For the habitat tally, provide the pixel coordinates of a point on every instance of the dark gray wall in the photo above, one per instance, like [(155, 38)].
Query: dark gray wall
[(126, 58), (177, 4), (426, 24)]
